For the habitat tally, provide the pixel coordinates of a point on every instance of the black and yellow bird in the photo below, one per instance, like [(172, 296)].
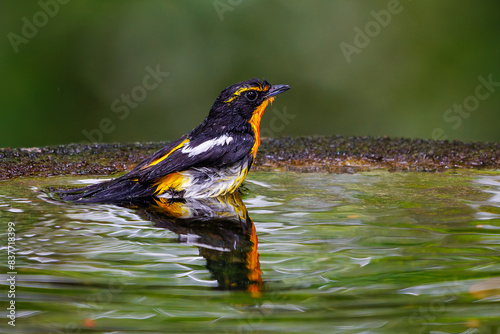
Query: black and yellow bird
[(211, 160)]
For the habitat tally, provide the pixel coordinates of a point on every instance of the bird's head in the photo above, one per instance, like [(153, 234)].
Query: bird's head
[(245, 101)]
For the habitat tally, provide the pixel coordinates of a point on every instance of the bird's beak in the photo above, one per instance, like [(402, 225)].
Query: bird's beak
[(277, 89)]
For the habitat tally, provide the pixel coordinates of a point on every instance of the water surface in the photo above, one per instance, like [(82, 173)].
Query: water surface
[(373, 252)]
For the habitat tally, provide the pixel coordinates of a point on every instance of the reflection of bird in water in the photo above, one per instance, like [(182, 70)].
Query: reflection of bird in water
[(219, 227)]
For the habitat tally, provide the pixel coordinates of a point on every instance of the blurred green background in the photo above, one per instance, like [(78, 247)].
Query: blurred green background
[(394, 68)]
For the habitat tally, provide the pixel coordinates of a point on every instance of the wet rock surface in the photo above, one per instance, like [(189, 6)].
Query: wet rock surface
[(303, 154)]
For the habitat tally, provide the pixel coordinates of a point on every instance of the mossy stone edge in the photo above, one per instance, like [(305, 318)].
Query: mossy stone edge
[(303, 154)]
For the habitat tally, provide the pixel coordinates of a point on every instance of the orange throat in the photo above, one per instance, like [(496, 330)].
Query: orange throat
[(255, 123)]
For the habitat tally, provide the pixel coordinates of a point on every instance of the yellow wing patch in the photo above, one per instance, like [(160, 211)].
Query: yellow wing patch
[(174, 181), (168, 154)]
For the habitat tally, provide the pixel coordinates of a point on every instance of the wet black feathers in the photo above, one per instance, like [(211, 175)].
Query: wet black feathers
[(230, 119)]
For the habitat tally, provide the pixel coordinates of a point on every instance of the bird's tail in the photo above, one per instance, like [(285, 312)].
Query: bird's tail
[(113, 191)]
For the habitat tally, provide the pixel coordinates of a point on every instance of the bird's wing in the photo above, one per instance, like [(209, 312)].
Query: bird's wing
[(161, 153), (199, 152)]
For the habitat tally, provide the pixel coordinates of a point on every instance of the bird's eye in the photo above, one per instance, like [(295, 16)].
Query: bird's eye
[(251, 95)]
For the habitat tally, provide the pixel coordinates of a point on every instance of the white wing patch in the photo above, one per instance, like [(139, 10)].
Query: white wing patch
[(205, 146)]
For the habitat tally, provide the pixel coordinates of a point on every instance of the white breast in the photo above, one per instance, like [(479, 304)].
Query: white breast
[(211, 182)]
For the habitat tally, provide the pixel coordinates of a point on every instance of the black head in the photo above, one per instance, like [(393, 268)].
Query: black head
[(244, 99)]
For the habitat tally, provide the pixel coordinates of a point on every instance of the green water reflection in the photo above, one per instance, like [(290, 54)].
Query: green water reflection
[(371, 252)]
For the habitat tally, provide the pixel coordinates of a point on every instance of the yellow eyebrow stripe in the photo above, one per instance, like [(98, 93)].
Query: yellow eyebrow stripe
[(167, 155), (245, 89)]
